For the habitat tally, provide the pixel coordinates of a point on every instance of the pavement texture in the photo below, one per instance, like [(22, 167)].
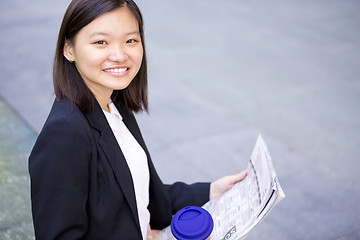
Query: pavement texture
[(16, 140), (220, 73)]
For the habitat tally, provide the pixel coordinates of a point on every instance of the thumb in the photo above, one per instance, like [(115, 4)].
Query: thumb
[(240, 176)]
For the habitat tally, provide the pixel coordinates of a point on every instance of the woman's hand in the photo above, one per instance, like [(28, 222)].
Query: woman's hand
[(152, 234), (221, 185)]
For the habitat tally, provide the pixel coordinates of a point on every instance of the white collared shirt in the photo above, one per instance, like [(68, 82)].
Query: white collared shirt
[(136, 160)]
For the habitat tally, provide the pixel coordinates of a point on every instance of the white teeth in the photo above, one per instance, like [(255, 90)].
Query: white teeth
[(116, 70)]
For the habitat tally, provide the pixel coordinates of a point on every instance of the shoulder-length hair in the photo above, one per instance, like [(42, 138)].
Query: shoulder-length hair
[(68, 81)]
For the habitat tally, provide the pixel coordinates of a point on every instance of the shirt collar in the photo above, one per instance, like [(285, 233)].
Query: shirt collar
[(114, 114)]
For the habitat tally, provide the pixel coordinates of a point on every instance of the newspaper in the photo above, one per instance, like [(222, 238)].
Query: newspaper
[(247, 203)]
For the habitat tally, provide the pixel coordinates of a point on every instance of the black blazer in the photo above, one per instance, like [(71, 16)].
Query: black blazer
[(81, 186)]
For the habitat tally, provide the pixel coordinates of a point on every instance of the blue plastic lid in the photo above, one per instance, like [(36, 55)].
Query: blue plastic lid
[(192, 223)]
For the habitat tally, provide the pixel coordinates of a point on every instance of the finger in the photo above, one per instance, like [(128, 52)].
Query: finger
[(240, 176)]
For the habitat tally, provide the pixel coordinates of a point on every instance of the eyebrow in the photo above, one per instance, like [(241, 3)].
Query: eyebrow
[(98, 33), (105, 34)]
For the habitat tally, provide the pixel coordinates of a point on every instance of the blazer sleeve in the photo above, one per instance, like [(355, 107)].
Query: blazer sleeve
[(58, 167), (183, 195)]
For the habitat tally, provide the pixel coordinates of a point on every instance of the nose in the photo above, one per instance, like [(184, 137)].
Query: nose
[(118, 54)]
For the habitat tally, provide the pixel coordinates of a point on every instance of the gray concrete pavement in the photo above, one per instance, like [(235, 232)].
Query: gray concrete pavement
[(16, 140), (220, 73)]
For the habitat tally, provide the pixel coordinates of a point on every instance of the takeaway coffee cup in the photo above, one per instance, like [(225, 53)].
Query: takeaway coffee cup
[(192, 223)]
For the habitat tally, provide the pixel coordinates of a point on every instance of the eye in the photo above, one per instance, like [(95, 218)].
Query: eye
[(100, 42), (131, 41)]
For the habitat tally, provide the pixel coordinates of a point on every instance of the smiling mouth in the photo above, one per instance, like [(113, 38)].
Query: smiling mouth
[(116, 70)]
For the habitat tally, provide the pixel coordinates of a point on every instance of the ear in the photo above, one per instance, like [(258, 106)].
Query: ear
[(68, 51)]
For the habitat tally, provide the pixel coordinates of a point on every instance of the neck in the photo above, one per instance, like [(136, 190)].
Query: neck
[(103, 102)]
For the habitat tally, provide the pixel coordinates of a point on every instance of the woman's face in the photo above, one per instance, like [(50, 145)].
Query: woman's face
[(107, 52)]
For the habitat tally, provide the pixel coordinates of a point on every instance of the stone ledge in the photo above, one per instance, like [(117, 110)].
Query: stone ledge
[(16, 141)]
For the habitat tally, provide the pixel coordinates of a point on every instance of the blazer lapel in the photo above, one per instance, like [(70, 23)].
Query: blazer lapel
[(160, 203), (109, 145)]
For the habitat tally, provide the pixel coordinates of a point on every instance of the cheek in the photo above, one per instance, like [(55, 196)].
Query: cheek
[(90, 58), (138, 57)]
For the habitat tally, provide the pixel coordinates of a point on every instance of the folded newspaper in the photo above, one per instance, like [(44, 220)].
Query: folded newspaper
[(247, 203)]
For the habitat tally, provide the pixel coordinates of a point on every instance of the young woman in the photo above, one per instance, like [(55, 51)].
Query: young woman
[(91, 174)]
